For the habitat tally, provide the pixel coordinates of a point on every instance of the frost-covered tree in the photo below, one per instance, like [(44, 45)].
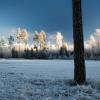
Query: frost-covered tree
[(42, 39), (36, 40), (11, 40), (22, 34), (49, 46), (25, 37), (2, 42), (59, 40), (19, 37)]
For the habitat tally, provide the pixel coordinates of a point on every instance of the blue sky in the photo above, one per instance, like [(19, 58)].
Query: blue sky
[(48, 15)]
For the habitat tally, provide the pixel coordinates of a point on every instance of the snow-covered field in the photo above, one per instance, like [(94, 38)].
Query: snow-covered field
[(46, 80)]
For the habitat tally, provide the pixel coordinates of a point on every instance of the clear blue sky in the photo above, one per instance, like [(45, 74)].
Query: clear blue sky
[(48, 15)]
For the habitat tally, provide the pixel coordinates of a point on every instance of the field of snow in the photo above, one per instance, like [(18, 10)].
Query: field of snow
[(46, 80)]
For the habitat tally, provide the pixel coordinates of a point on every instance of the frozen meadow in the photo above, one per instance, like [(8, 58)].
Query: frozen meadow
[(47, 80)]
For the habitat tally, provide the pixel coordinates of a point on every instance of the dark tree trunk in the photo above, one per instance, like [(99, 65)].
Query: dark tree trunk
[(79, 62)]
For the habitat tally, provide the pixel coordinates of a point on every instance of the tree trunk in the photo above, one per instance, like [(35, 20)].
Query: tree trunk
[(79, 62)]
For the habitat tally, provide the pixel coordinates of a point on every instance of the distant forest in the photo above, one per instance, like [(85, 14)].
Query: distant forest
[(43, 49), (62, 53)]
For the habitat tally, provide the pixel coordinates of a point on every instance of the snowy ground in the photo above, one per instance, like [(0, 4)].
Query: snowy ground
[(46, 80)]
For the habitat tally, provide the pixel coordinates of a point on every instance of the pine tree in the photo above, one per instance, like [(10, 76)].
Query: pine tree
[(79, 62)]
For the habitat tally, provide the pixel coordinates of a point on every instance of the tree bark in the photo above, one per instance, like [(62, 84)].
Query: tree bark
[(79, 62)]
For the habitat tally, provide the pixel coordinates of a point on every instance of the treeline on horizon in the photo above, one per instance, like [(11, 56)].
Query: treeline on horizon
[(61, 53), (42, 48)]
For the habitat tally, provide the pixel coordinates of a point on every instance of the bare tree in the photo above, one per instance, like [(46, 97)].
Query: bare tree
[(79, 62)]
